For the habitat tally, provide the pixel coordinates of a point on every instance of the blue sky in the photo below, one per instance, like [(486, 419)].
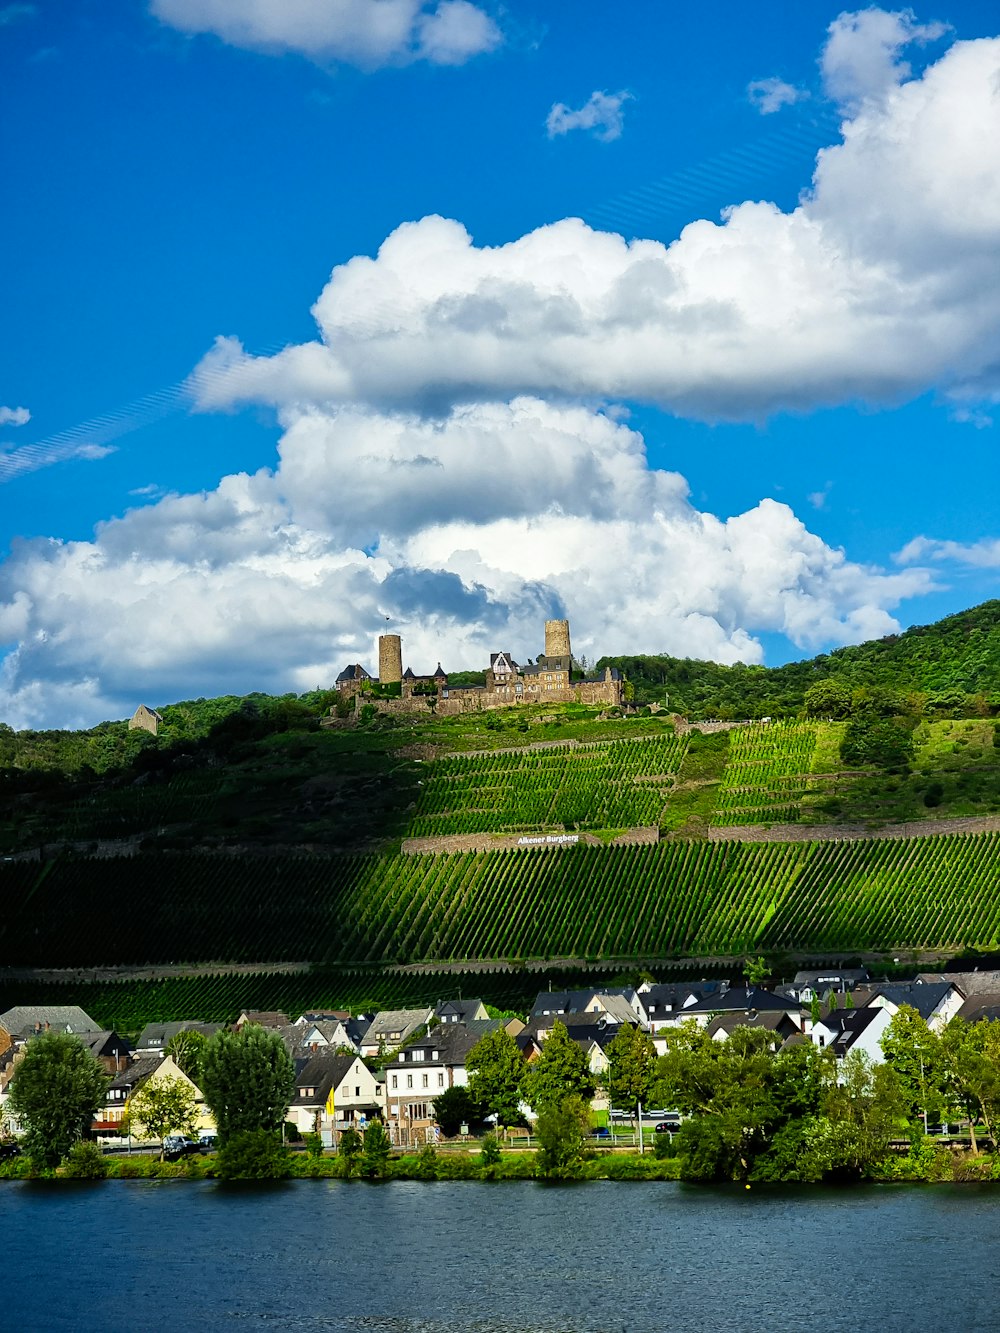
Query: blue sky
[(743, 408)]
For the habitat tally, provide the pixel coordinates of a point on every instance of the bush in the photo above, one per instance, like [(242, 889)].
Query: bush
[(85, 1161), (255, 1154)]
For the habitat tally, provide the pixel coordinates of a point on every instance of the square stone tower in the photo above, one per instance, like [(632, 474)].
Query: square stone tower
[(558, 652)]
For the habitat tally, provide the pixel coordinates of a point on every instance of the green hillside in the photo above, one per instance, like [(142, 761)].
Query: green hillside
[(954, 663), (264, 830)]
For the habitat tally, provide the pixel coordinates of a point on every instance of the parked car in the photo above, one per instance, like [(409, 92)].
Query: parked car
[(9, 1150), (208, 1143), (176, 1146), (667, 1126), (601, 1132)]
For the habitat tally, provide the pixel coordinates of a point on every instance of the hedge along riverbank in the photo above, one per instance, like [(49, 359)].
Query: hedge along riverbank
[(928, 1163)]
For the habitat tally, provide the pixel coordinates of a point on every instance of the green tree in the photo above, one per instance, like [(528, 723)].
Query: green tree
[(349, 1147), (738, 1097), (561, 1130), (375, 1154), (248, 1080), (914, 1052), (970, 1058), (756, 970), (455, 1107), (186, 1049), (253, 1154), (56, 1092), (561, 1071), (163, 1106), (631, 1068), (496, 1071), (871, 740)]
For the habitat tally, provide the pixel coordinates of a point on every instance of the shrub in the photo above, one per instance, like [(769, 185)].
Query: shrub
[(85, 1161), (255, 1154)]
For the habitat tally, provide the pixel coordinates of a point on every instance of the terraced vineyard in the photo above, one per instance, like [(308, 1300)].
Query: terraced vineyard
[(673, 900), (615, 785), (766, 775)]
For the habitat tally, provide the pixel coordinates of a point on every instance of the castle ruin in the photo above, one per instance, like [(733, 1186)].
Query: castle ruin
[(508, 684)]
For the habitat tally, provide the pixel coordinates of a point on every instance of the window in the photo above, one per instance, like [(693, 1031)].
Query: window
[(409, 1080), (357, 1092), (308, 1092), (424, 1083), (440, 1080), (419, 1055), (395, 1081)]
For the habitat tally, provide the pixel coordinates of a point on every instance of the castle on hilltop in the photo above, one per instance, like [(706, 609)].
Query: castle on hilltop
[(549, 679)]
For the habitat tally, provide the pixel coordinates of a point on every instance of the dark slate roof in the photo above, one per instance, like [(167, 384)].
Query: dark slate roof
[(451, 1041), (440, 672), (106, 1042), (744, 998), (354, 671), (924, 996), (575, 1001), (137, 1072), (321, 1072), (323, 1016), (22, 1019), (980, 1006), (669, 997), (462, 1008), (831, 976), (155, 1036), (770, 1020), (847, 1025)]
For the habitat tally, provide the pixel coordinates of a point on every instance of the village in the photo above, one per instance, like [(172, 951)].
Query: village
[(391, 1067)]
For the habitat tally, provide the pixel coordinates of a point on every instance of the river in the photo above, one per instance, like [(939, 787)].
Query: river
[(506, 1258)]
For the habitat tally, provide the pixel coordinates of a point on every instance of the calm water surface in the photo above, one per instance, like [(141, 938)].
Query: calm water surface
[(508, 1258)]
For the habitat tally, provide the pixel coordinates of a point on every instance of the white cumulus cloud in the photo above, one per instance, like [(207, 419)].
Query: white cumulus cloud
[(368, 33), (879, 286), (601, 114), (770, 95), (861, 60), (14, 416), (984, 554)]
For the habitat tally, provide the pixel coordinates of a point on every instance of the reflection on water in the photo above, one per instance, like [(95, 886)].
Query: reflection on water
[(510, 1258)]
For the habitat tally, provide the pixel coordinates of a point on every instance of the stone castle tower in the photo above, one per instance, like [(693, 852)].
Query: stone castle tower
[(557, 640), (390, 659)]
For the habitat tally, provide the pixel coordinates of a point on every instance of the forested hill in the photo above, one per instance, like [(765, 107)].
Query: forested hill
[(954, 662)]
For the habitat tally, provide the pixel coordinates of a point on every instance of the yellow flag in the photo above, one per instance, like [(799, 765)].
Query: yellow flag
[(329, 1104)]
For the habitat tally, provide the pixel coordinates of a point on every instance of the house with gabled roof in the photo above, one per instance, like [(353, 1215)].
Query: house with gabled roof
[(28, 1020), (326, 1082), (460, 1011), (846, 1030), (162, 1071), (937, 1002), (745, 1000), (665, 1004), (780, 1023), (155, 1037), (426, 1068), (390, 1028)]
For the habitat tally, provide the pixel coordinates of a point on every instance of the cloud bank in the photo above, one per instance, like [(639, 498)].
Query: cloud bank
[(466, 531), (878, 287), (368, 33)]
